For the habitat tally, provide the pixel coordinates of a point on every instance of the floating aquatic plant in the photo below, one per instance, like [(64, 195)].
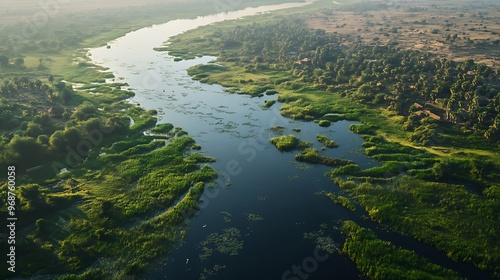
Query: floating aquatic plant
[(254, 218), (262, 197), (227, 216), (322, 241), (227, 242), (207, 273)]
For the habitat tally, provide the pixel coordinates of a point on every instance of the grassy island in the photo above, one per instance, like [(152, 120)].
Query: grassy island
[(288, 143), (327, 142), (311, 155)]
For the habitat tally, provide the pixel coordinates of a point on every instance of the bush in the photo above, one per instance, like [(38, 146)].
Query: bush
[(362, 129), (25, 151), (269, 103), (324, 123), (288, 143), (162, 128), (327, 142)]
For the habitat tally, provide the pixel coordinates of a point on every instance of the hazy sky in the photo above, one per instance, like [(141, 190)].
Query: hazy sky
[(14, 10)]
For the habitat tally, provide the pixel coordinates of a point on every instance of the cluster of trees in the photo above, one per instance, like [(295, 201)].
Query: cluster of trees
[(58, 92), (33, 134), (5, 61), (461, 92)]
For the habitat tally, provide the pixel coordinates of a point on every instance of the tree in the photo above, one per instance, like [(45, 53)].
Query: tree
[(72, 136), (85, 111), (43, 139), (4, 60), (32, 198), (57, 142), (41, 226), (19, 61), (31, 86), (38, 84), (365, 89), (34, 129), (25, 150), (60, 86)]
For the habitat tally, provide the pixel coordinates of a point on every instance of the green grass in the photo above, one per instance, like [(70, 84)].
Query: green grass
[(342, 200), (269, 103), (311, 155), (162, 128), (327, 142), (380, 259)]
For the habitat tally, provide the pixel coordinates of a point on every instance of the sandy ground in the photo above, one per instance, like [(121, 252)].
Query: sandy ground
[(474, 20)]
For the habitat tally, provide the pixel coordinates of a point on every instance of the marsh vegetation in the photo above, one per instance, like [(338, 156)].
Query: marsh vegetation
[(288, 143), (327, 142)]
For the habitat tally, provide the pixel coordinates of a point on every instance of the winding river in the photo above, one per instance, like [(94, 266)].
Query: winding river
[(265, 195)]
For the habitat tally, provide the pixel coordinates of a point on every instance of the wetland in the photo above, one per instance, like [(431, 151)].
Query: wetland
[(248, 139)]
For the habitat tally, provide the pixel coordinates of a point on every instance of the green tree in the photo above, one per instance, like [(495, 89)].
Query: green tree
[(19, 61), (38, 84), (57, 142), (41, 226), (25, 150), (34, 129), (43, 139), (72, 136), (32, 198), (85, 111), (4, 60)]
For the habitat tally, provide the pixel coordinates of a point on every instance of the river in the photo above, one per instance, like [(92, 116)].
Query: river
[(269, 198)]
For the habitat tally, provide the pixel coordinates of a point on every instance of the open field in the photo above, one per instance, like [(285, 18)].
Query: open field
[(457, 30)]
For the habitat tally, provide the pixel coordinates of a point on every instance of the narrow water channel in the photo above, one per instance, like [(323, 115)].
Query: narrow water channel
[(269, 198)]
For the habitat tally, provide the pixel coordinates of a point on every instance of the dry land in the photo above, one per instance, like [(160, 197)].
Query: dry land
[(457, 30)]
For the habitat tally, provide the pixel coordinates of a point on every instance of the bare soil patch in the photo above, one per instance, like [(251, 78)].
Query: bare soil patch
[(457, 29)]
